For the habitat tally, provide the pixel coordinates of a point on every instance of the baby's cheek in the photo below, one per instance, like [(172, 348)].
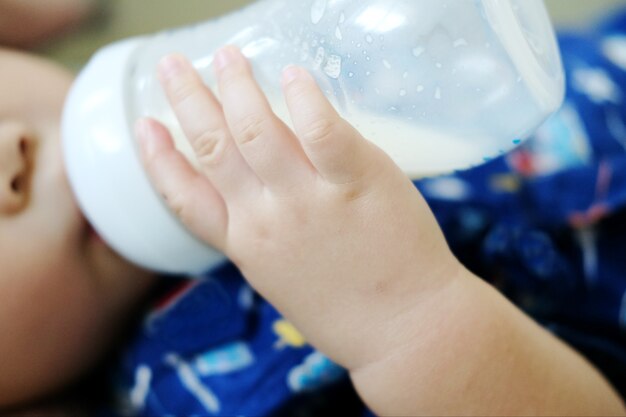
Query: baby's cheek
[(119, 284), (52, 332)]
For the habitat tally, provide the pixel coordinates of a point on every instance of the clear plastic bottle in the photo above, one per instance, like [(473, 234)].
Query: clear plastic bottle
[(440, 85)]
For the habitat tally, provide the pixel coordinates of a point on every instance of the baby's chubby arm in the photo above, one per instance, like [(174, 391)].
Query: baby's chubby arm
[(326, 227)]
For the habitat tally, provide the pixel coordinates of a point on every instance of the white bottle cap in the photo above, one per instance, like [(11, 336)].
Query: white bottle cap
[(107, 175)]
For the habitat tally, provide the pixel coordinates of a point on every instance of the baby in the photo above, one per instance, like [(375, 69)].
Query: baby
[(63, 293), (320, 222)]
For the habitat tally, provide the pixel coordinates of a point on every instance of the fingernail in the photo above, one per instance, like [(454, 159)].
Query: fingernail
[(171, 66), (291, 73), (226, 56), (144, 132)]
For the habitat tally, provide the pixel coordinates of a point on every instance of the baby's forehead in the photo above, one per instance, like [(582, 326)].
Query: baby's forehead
[(30, 83), (19, 67), (12, 61)]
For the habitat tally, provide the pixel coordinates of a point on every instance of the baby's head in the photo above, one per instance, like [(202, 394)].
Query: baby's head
[(63, 292)]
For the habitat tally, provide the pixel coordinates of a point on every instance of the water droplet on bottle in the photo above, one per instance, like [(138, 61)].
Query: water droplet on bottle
[(386, 64), (460, 42), (417, 52), (420, 88), (439, 65), (438, 94), (338, 33), (402, 93), (369, 38), (350, 74), (342, 18), (319, 57), (317, 11), (333, 66), (405, 75)]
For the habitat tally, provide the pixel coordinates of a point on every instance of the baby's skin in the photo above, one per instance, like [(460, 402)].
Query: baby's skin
[(65, 296), (326, 227)]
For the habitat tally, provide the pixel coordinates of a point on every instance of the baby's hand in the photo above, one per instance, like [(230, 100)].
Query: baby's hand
[(319, 220)]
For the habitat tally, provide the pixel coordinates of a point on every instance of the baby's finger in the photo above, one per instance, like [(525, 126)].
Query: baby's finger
[(188, 193), (268, 145), (336, 149), (202, 120)]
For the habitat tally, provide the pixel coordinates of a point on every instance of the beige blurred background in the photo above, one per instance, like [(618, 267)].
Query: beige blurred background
[(118, 19)]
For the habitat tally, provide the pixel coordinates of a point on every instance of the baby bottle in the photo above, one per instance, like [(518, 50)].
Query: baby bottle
[(440, 85)]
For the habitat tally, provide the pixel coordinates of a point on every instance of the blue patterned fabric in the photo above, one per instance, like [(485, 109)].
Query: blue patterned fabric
[(213, 347), (546, 224)]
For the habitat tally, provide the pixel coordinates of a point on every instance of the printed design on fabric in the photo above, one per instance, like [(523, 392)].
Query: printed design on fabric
[(288, 335), (560, 143), (315, 372)]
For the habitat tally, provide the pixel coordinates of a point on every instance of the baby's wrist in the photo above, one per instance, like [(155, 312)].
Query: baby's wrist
[(429, 312), (370, 326)]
